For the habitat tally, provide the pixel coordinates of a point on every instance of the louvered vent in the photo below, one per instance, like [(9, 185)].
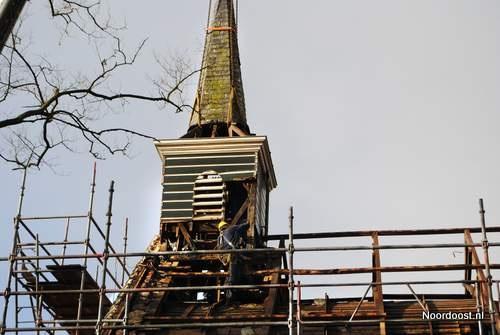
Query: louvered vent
[(209, 197)]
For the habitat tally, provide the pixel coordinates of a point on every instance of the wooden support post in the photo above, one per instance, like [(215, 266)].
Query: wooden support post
[(480, 273), (186, 235), (283, 259), (214, 131), (235, 129), (431, 330), (230, 109), (178, 236), (218, 282), (469, 289), (188, 310), (378, 296), (240, 212), (252, 189), (270, 301)]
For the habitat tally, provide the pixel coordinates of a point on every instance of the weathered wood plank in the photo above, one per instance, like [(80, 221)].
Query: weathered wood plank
[(186, 235), (479, 271), (378, 296), (240, 212), (252, 191)]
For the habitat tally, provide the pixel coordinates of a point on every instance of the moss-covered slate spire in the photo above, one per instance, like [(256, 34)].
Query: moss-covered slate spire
[(220, 102)]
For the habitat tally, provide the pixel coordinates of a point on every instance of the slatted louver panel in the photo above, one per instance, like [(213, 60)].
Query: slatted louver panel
[(182, 170), (209, 197), (261, 203)]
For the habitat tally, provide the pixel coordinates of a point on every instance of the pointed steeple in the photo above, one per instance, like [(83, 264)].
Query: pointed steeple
[(219, 100)]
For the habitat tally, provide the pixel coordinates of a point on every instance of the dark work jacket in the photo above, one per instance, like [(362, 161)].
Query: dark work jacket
[(232, 236)]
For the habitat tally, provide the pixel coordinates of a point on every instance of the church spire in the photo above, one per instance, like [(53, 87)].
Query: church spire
[(220, 104)]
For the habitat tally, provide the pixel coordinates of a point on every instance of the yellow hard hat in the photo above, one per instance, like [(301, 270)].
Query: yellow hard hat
[(221, 224)]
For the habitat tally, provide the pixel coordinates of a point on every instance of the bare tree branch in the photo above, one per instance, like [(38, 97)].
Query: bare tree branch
[(62, 111)]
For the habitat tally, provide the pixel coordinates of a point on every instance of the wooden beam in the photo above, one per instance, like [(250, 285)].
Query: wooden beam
[(283, 258), (218, 282), (429, 324), (378, 296), (272, 297), (193, 274), (186, 235), (469, 289), (148, 304), (240, 212), (178, 237), (479, 271), (239, 317), (252, 192), (196, 109), (270, 300), (230, 107), (173, 268), (327, 303), (212, 308), (237, 130), (404, 232), (404, 268), (214, 131), (188, 310)]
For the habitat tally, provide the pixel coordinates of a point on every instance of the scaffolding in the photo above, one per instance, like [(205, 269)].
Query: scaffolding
[(53, 290)]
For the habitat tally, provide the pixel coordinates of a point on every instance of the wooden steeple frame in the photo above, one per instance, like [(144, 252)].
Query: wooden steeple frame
[(244, 161)]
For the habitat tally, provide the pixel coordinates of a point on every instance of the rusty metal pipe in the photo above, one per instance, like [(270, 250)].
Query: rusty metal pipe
[(201, 288), (160, 326), (342, 271), (368, 233), (393, 246), (377, 321), (162, 253)]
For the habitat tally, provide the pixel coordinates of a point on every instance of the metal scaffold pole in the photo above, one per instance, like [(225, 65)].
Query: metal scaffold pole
[(299, 301), (37, 287), (290, 276), (87, 245), (16, 299), (125, 239), (13, 253), (125, 312), (45, 321), (102, 290), (491, 301), (479, 308)]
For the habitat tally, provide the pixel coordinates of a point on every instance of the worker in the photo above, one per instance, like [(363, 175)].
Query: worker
[(232, 237)]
